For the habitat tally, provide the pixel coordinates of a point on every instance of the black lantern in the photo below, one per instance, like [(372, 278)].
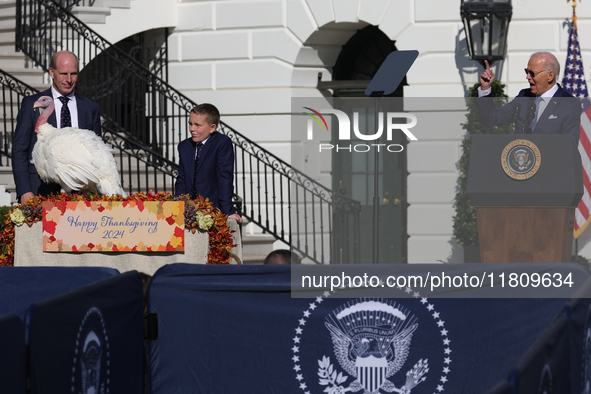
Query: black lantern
[(486, 23)]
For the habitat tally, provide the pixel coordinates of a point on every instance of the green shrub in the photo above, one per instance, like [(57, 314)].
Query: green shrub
[(465, 227)]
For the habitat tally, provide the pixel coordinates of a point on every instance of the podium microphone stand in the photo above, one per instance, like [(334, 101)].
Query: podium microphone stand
[(384, 82)]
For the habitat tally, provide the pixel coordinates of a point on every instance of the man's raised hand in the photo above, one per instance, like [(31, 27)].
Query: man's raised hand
[(487, 77)]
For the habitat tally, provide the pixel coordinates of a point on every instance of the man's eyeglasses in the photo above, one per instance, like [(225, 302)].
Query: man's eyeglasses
[(532, 73)]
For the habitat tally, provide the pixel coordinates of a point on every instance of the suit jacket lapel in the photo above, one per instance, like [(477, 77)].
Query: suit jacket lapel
[(52, 120), (551, 108), (204, 150), (80, 109)]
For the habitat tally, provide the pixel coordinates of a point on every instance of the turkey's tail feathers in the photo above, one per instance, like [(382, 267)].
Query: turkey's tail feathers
[(109, 186), (77, 178)]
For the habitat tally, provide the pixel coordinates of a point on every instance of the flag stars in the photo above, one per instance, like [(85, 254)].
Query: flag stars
[(299, 331), (446, 341), (440, 388), (302, 322), (430, 307), (436, 315), (447, 360), (423, 300), (443, 379), (319, 300), (574, 78), (447, 350), (297, 368), (295, 349), (306, 314), (440, 323), (299, 377), (446, 370), (416, 294), (296, 339), (313, 305), (303, 386), (295, 359), (408, 290), (444, 332)]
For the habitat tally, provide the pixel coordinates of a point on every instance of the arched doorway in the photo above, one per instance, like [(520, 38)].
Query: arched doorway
[(353, 172)]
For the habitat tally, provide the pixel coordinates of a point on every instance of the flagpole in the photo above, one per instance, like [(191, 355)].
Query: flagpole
[(573, 30), (575, 84), (574, 5)]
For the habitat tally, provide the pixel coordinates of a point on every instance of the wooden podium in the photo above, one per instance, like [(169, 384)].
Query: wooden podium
[(525, 189)]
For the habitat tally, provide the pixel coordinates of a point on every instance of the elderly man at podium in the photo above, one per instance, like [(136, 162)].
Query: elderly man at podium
[(543, 108)]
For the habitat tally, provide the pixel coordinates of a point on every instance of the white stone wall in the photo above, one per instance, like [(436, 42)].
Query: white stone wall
[(250, 57)]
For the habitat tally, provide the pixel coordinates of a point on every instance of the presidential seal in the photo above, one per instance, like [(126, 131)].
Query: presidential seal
[(91, 357), (545, 386), (521, 159), (369, 346), (586, 367)]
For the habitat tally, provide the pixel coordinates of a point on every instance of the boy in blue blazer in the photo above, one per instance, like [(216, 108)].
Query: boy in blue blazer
[(206, 165)]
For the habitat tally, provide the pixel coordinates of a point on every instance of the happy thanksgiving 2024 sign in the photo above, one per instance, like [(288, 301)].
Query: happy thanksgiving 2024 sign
[(113, 226)]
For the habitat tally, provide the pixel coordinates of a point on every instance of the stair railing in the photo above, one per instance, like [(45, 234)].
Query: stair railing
[(137, 165), (13, 92), (142, 108)]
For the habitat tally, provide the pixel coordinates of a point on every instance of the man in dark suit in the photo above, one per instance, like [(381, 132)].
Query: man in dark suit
[(78, 112), (544, 108), (206, 165)]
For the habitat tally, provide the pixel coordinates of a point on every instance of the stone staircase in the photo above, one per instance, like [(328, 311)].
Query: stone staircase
[(21, 67), (11, 61), (98, 11), (256, 245)]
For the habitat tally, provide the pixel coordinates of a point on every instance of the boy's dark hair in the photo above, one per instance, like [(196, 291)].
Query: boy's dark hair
[(282, 256), (210, 112)]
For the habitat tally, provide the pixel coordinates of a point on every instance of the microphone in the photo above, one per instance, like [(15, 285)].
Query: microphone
[(531, 113), (516, 112), (515, 116)]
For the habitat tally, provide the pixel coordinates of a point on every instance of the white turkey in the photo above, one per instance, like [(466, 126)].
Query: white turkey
[(77, 159)]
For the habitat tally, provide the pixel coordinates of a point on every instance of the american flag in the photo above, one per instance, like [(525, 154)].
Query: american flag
[(574, 83)]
